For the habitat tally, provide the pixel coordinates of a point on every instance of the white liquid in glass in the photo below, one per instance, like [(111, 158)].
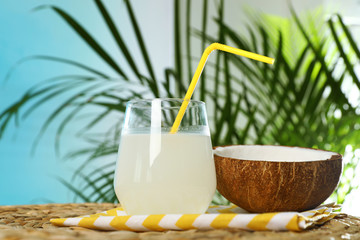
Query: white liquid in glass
[(165, 173)]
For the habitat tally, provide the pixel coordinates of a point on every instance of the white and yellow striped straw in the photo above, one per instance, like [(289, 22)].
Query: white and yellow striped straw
[(217, 217), (199, 69)]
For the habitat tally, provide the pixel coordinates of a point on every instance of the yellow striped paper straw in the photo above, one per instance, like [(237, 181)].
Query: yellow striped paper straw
[(216, 217), (199, 69)]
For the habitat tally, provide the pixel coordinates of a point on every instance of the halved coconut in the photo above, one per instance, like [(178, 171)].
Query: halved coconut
[(262, 178)]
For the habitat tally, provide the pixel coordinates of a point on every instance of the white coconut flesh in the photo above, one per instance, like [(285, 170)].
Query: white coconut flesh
[(272, 153)]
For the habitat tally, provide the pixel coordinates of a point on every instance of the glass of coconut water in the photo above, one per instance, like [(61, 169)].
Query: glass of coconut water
[(159, 172)]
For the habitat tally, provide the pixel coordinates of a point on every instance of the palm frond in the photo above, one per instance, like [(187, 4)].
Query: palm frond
[(180, 86), (152, 81), (92, 43), (115, 33), (55, 59)]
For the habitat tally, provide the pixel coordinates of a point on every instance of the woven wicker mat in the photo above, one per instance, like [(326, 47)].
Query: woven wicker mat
[(32, 222)]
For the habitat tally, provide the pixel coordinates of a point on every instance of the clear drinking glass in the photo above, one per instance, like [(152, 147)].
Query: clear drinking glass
[(162, 173)]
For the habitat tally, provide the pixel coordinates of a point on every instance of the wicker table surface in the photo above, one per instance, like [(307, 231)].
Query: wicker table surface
[(32, 222)]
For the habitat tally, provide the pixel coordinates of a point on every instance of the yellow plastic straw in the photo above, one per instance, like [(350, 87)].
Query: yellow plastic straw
[(199, 69)]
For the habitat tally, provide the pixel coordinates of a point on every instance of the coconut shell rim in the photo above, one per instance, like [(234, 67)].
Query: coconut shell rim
[(335, 156)]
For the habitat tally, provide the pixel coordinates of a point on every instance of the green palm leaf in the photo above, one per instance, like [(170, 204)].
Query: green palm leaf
[(87, 38), (152, 80), (55, 59), (118, 38)]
